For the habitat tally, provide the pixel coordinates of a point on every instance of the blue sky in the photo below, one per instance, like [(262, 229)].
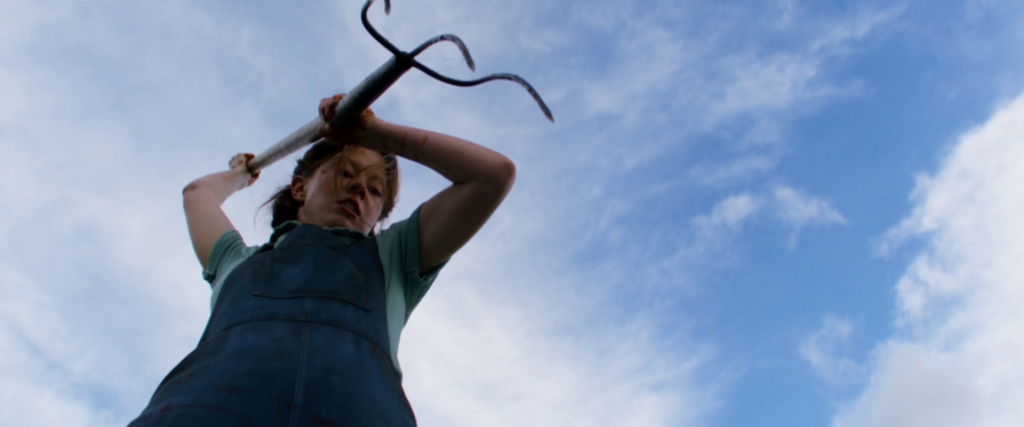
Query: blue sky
[(788, 213)]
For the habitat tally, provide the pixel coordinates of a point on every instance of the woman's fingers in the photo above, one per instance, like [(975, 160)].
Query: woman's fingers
[(327, 106), (240, 162), (341, 134), (236, 160), (246, 158), (347, 132), (322, 109)]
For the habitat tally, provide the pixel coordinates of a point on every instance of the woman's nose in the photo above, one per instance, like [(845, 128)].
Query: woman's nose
[(356, 185)]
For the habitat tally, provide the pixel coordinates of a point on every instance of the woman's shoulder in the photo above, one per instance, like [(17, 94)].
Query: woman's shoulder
[(397, 241), (229, 251)]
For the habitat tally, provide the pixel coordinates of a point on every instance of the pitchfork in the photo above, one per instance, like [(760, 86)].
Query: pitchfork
[(371, 88)]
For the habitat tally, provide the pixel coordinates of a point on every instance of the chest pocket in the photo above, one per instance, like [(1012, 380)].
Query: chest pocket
[(312, 270)]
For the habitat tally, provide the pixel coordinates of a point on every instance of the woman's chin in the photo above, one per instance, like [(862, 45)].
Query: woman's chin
[(337, 220), (345, 222)]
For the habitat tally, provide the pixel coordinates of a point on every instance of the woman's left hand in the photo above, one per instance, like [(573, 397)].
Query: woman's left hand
[(342, 133), (240, 165)]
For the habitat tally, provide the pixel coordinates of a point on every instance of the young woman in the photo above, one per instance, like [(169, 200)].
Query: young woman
[(304, 329)]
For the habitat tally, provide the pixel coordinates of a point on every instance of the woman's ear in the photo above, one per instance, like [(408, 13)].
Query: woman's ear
[(299, 188)]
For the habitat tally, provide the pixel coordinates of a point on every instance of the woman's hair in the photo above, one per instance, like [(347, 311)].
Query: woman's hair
[(285, 208)]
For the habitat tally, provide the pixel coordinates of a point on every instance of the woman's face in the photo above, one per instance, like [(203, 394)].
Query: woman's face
[(355, 201)]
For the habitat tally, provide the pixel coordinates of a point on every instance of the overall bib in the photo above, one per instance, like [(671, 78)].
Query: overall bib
[(298, 337)]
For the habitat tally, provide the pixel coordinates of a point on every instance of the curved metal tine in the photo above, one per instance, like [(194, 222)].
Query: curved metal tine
[(498, 76), (447, 38), (373, 32), (402, 56)]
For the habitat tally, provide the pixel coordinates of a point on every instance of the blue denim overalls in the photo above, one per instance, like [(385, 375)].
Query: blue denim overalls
[(298, 337)]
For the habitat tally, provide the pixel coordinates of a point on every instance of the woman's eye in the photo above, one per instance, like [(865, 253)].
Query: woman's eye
[(346, 174), (375, 192)]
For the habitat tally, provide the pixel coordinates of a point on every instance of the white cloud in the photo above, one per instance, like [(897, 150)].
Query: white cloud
[(481, 352), (792, 208), (799, 210), (858, 27), (28, 396), (768, 84), (955, 359), (735, 170), (824, 351), (727, 217)]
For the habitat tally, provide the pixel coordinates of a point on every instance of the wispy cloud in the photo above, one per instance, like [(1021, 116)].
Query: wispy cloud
[(792, 208), (721, 225), (825, 350), (798, 210)]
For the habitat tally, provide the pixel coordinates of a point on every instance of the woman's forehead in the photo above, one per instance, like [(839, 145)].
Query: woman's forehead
[(363, 161), (362, 158)]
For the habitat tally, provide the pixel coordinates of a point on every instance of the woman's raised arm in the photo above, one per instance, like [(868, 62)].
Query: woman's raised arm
[(480, 180), (202, 200)]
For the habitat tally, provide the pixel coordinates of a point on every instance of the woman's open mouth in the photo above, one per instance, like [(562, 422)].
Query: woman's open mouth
[(350, 207)]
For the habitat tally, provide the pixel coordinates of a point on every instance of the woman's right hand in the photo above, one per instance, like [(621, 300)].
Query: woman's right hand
[(342, 133), (240, 164)]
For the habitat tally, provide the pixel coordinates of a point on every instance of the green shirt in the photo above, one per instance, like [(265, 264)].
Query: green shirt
[(399, 250)]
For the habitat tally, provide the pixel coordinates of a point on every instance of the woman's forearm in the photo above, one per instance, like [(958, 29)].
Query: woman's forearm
[(217, 186), (456, 159), (202, 200), (480, 180)]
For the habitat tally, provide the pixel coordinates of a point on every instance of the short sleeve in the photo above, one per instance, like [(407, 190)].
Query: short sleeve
[(399, 248), (227, 253)]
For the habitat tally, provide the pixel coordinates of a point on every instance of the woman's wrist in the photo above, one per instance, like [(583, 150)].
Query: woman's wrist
[(379, 135)]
